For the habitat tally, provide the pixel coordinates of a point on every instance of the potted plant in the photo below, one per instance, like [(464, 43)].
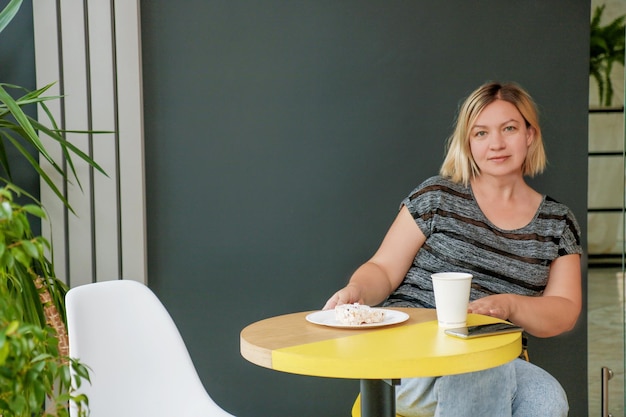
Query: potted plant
[(34, 363), (606, 48)]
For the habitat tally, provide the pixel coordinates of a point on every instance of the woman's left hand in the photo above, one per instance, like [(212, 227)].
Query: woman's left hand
[(553, 312), (492, 305)]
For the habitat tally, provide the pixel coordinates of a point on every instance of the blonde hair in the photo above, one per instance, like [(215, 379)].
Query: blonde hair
[(459, 165)]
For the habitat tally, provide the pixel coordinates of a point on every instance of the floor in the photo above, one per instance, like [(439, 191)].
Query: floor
[(606, 337)]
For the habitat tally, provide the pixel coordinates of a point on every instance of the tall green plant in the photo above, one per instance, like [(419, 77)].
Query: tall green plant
[(606, 49), (31, 358)]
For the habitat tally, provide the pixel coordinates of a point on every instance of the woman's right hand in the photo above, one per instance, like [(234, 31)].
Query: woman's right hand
[(350, 294)]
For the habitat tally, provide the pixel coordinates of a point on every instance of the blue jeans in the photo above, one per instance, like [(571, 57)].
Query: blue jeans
[(518, 389)]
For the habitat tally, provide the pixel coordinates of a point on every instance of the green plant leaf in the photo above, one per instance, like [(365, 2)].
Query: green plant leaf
[(6, 260), (9, 12), (12, 327), (18, 404), (64, 373), (37, 395), (6, 211), (4, 162), (54, 134), (35, 164), (20, 256), (30, 249), (4, 351), (23, 121), (10, 188), (80, 370), (35, 210), (18, 227)]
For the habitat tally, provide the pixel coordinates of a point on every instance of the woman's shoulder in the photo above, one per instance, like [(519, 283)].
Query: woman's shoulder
[(554, 210), (563, 219), (553, 207), (436, 190), (436, 180), (439, 183)]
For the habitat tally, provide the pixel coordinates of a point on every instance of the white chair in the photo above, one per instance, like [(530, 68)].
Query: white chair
[(139, 363)]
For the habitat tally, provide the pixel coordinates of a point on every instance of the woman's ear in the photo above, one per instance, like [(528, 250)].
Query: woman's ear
[(530, 135)]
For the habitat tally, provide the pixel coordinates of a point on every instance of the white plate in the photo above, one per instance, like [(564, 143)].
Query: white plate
[(327, 318)]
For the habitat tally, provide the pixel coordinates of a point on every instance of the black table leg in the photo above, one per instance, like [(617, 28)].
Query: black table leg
[(378, 397)]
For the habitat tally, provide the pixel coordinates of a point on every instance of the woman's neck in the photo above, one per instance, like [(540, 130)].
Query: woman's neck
[(501, 189), (508, 205)]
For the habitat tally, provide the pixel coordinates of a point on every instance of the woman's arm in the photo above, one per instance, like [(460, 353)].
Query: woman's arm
[(554, 312), (373, 281)]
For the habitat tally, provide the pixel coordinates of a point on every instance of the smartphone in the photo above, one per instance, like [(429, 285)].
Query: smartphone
[(483, 330)]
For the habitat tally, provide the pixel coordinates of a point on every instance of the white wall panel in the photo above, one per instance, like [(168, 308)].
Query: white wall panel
[(47, 57), (130, 117), (92, 49), (104, 145), (75, 69)]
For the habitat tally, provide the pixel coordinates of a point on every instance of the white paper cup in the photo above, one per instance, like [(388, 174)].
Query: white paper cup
[(452, 290)]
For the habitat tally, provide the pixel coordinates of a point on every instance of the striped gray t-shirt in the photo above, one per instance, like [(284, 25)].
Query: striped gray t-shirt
[(460, 238)]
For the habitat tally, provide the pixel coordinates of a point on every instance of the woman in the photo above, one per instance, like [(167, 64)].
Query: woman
[(522, 248)]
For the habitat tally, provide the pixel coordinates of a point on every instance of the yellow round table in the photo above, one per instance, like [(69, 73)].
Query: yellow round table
[(414, 348)]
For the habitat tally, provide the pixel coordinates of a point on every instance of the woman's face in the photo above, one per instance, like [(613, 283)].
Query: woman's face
[(499, 140)]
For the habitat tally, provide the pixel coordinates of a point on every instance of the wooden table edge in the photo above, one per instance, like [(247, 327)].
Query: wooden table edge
[(262, 356)]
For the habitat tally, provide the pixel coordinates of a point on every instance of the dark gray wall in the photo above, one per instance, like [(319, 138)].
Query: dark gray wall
[(281, 136)]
